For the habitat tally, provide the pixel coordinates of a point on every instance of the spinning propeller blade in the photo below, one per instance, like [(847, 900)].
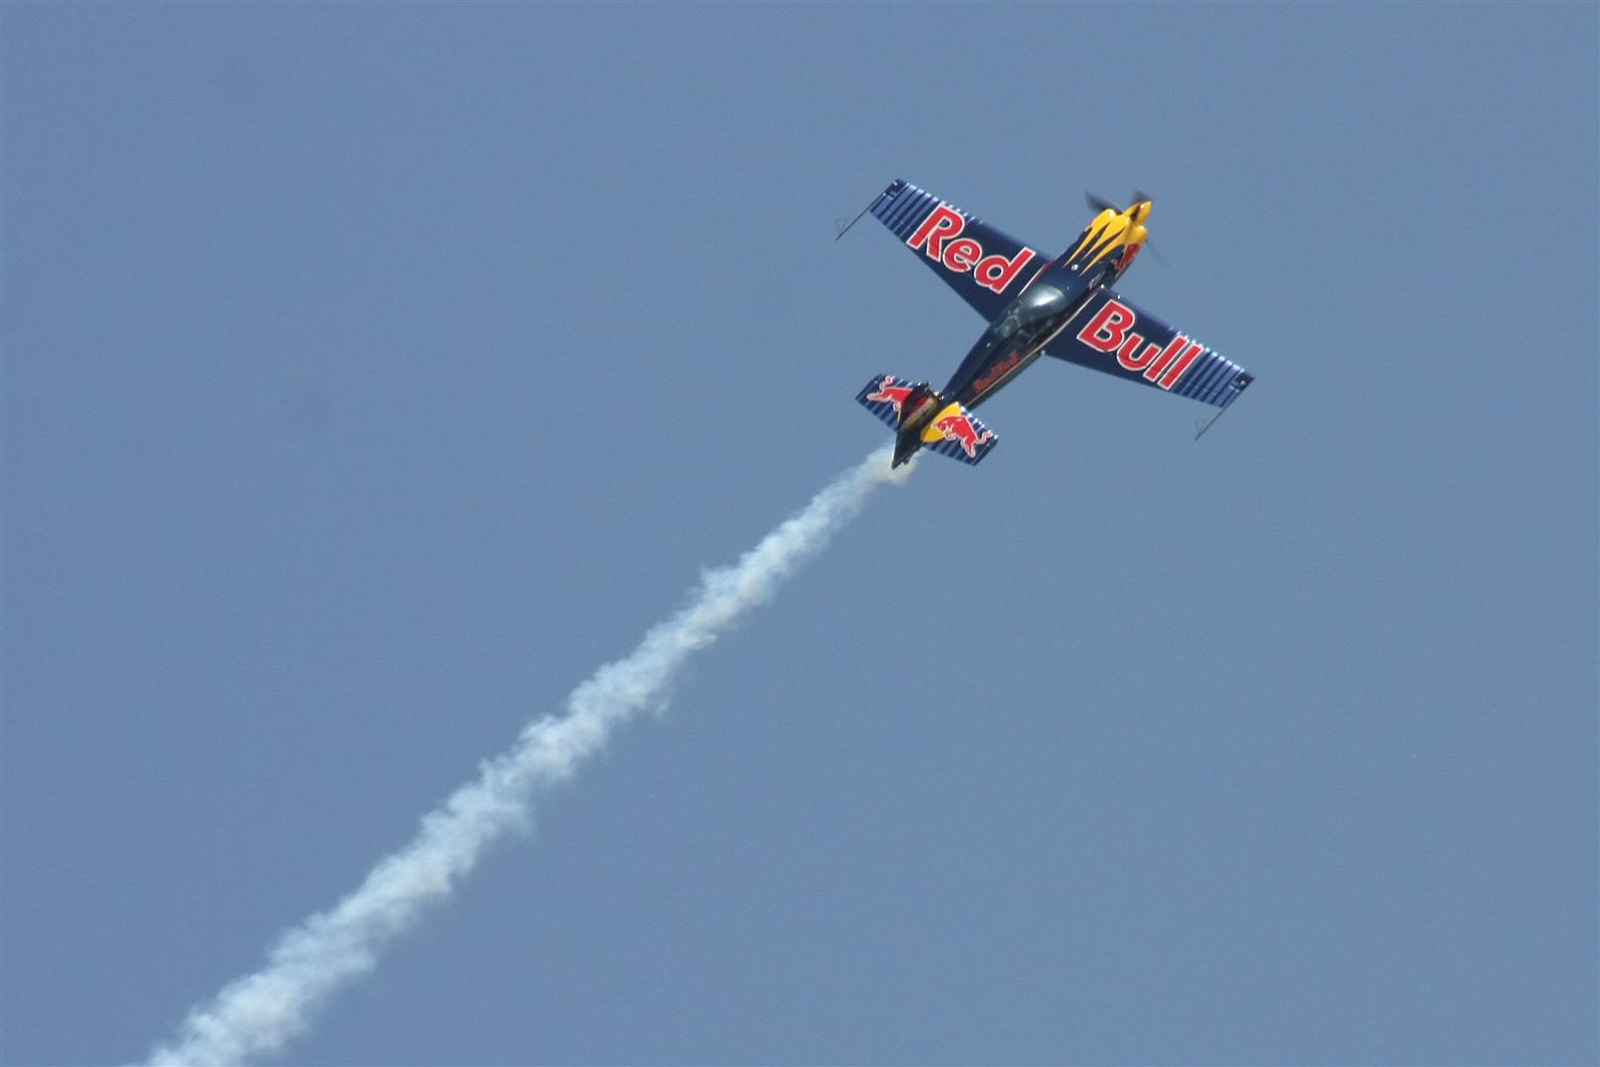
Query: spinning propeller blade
[(1100, 203)]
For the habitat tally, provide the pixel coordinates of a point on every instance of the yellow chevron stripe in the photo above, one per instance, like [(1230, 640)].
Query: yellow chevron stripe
[(1095, 226), (1116, 231), (1110, 231)]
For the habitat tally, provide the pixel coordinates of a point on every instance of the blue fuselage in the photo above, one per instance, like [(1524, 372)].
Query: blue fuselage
[(1015, 339)]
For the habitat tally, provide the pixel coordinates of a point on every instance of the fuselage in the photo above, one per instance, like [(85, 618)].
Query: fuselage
[(1048, 302)]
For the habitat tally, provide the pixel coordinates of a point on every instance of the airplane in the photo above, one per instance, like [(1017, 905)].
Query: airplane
[(1035, 305)]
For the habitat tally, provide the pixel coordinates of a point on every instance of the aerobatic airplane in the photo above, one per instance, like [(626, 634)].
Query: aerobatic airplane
[(1035, 305)]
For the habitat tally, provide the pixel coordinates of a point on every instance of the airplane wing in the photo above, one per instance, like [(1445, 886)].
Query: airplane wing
[(985, 266), (1113, 334)]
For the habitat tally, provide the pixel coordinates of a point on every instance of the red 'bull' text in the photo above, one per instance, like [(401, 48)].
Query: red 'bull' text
[(1111, 330)]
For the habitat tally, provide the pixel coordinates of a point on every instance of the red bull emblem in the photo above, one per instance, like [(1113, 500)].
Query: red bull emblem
[(939, 238), (894, 394), (1111, 330), (959, 428)]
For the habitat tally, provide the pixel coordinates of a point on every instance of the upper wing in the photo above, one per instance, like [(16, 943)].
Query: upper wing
[(1114, 335), (984, 265)]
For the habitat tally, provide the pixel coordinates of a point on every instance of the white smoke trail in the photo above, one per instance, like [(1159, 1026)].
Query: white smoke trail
[(259, 1013)]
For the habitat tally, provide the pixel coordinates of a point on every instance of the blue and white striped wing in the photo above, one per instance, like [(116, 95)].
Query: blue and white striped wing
[(986, 267), (1114, 335)]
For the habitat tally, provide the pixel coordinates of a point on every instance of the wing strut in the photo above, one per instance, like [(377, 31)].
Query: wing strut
[(1240, 384), (846, 229), (1207, 424)]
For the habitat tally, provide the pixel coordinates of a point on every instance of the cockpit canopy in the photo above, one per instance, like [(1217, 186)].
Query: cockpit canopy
[(1034, 316)]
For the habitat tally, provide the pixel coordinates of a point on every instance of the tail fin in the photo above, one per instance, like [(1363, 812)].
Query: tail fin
[(914, 410)]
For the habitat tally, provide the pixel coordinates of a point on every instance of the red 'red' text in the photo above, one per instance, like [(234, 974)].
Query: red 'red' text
[(939, 238)]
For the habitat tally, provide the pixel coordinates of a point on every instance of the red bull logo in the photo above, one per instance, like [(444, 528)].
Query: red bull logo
[(987, 380), (939, 238), (959, 428), (894, 394), (1112, 330)]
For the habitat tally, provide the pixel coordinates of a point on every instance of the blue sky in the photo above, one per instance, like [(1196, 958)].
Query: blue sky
[(374, 372)]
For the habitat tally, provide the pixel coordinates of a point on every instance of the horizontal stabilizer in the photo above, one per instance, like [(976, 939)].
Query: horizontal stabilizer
[(884, 395), (957, 433), (923, 418)]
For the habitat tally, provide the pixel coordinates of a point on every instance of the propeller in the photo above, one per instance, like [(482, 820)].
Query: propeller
[(1100, 203)]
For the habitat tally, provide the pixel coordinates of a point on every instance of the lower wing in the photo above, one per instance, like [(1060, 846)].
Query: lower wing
[(1116, 336), (986, 267)]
